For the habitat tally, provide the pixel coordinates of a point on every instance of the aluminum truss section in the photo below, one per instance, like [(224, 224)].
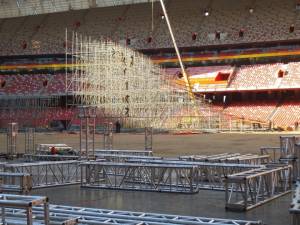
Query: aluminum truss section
[(24, 202), (146, 177), (210, 175), (29, 140), (92, 216), (295, 206), (249, 189), (124, 152), (15, 182), (48, 174), (87, 116), (33, 157), (288, 153), (229, 158), (148, 138), (12, 133), (124, 158), (108, 136), (288, 146), (273, 152)]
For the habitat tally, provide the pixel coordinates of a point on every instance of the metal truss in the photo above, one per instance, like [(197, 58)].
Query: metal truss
[(87, 116), (15, 182), (288, 153), (124, 158), (288, 146), (48, 174), (124, 152), (29, 140), (273, 152), (249, 189), (93, 216), (148, 138), (295, 206), (26, 203), (108, 136), (12, 133), (230, 158), (141, 177), (33, 157), (209, 175)]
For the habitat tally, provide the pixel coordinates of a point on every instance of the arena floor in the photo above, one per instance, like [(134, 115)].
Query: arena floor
[(205, 203), (167, 144)]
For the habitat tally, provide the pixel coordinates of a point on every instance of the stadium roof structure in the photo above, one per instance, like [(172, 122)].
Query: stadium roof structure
[(16, 8)]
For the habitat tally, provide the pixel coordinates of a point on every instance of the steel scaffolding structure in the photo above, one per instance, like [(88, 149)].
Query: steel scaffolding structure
[(29, 140), (126, 86), (249, 189), (87, 116), (12, 133), (141, 177), (92, 216), (48, 174)]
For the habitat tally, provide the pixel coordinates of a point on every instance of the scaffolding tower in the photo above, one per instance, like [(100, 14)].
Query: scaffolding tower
[(123, 83), (29, 140), (148, 138), (126, 86), (12, 133), (108, 136), (87, 116)]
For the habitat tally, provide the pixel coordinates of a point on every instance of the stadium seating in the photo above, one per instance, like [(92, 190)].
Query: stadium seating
[(32, 84), (287, 114), (44, 34), (256, 76), (251, 111), (35, 117)]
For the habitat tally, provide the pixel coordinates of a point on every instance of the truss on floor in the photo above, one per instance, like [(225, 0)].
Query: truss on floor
[(48, 174), (249, 189)]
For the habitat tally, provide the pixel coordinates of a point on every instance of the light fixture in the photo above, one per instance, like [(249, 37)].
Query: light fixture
[(206, 13), (251, 10)]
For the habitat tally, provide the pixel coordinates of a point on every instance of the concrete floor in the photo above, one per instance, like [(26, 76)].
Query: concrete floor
[(205, 203)]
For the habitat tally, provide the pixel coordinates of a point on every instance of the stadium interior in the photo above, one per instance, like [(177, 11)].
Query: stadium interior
[(243, 57), (179, 112)]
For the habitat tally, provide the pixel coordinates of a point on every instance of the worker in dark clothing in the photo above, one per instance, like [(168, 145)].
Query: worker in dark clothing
[(118, 127)]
